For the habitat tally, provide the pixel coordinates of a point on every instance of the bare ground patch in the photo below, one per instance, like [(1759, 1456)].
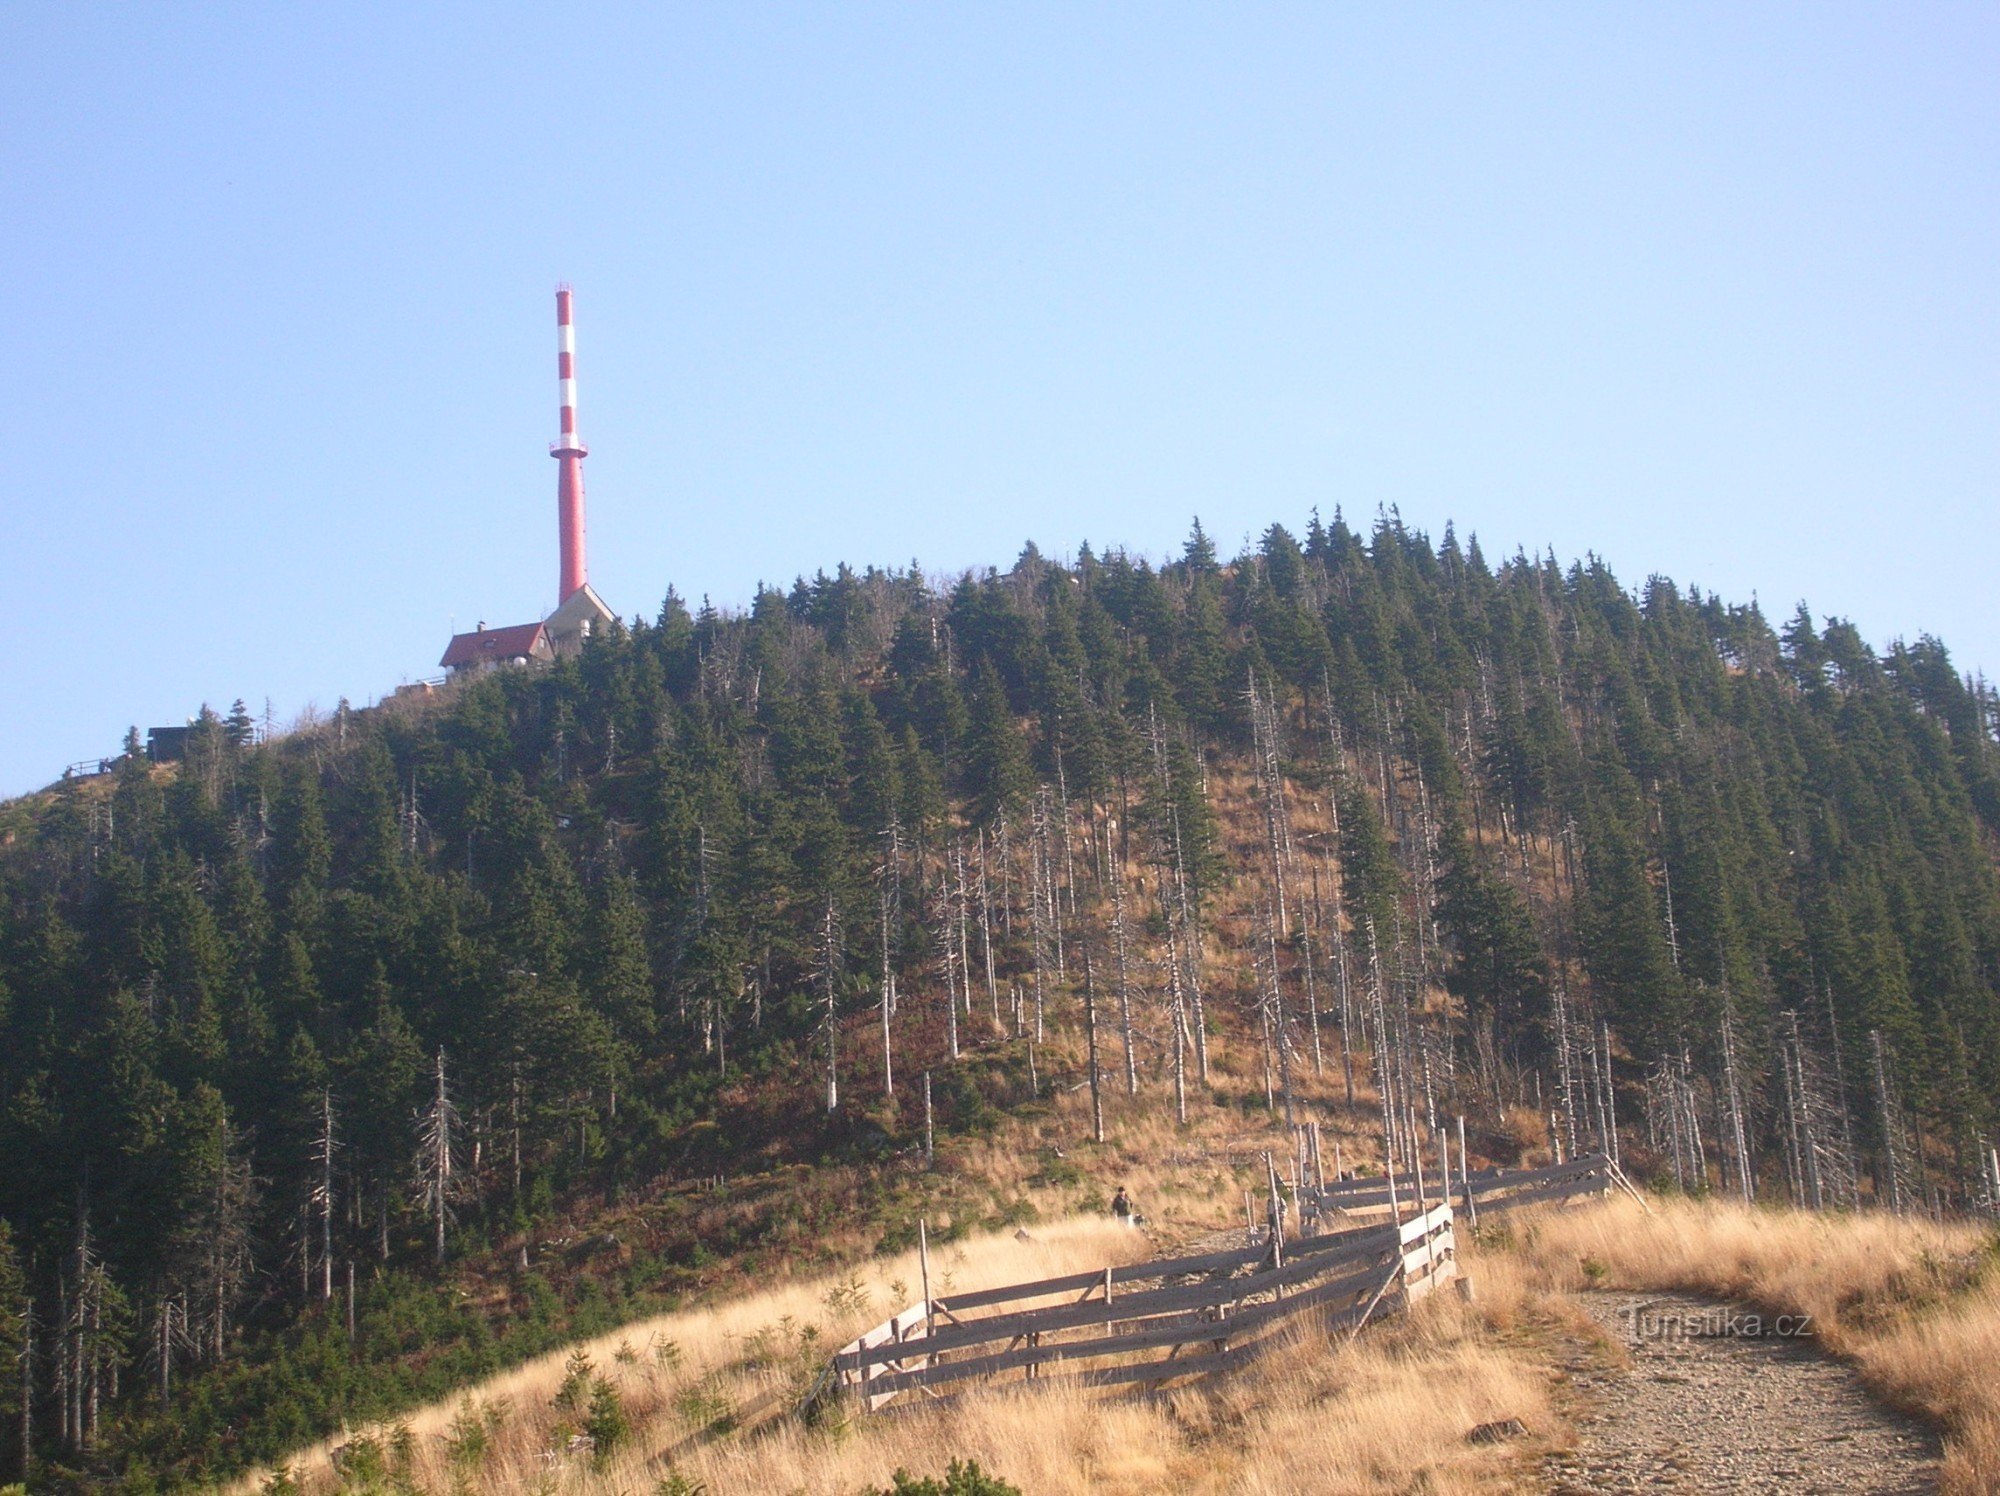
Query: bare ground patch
[(1683, 1393)]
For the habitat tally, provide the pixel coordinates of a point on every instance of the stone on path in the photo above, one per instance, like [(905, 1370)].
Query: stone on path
[(1716, 1400)]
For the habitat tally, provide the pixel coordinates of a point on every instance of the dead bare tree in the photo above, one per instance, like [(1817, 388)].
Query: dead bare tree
[(890, 892), (1673, 1120), (1090, 1028), (1180, 908), (1896, 1164), (320, 1200), (438, 1130), (947, 958), (1118, 935), (1732, 1082), (827, 970), (986, 931)]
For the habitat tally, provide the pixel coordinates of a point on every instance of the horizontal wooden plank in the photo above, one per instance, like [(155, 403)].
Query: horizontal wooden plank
[(1265, 1325), (1418, 1260), (1596, 1185), (1162, 1369), (1070, 1283), (1141, 1272), (1581, 1161), (1041, 1288), (892, 1329), (1307, 1269), (1563, 1189), (1134, 1309), (1377, 1185), (1375, 1198), (1362, 1247), (1419, 1226), (1234, 1330), (1373, 1193), (1057, 1317), (1348, 1285), (1186, 1330), (1156, 1370), (1352, 1240), (1419, 1288), (1548, 1173)]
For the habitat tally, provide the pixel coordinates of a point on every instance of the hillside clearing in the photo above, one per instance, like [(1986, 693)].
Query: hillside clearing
[(1907, 1303)]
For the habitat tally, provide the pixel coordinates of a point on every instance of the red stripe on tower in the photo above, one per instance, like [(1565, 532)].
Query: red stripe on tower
[(570, 452)]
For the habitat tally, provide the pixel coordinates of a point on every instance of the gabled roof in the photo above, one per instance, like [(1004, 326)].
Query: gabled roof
[(517, 642), (581, 606)]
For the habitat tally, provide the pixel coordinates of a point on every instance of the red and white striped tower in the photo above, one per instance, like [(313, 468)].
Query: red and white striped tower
[(569, 450)]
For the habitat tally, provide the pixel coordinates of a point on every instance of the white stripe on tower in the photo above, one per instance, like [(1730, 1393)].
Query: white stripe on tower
[(568, 450), (566, 363)]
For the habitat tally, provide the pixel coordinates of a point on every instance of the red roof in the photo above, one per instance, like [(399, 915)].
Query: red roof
[(515, 643)]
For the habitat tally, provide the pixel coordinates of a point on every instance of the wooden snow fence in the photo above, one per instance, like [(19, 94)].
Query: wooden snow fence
[(1483, 1190), (1149, 1322)]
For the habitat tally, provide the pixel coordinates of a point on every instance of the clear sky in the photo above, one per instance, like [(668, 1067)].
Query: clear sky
[(1711, 291)]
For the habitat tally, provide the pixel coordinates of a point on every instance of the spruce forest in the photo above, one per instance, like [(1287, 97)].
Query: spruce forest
[(297, 1033)]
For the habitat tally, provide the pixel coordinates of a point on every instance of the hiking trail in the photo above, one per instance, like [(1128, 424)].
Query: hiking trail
[(1695, 1395)]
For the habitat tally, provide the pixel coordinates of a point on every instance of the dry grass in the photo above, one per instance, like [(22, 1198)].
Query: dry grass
[(1386, 1414), (1914, 1305), (1906, 1301), (676, 1373), (1944, 1365)]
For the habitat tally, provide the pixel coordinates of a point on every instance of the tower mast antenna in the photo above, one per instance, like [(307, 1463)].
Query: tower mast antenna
[(568, 450)]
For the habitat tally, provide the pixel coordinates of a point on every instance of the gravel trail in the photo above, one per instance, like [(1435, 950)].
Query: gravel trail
[(1718, 1399)]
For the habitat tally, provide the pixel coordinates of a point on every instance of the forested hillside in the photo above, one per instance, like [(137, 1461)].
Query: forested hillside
[(384, 992)]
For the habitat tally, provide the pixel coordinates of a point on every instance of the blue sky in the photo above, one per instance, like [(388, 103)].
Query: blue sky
[(1707, 290)]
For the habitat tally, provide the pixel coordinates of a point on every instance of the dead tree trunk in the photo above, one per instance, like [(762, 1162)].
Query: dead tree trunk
[(324, 1147), (437, 1138), (1124, 979), (1090, 1027)]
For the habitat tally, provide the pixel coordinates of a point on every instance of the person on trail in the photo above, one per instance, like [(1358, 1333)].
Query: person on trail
[(1121, 1205)]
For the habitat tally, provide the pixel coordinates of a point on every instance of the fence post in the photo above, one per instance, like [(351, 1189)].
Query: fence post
[(1465, 1177), (1423, 1208), (1277, 1211), (924, 1270), (1444, 1165)]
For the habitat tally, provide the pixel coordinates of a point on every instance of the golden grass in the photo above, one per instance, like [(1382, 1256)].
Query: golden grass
[(675, 1372), (1944, 1365), (1388, 1413), (1907, 1301), (1913, 1304)]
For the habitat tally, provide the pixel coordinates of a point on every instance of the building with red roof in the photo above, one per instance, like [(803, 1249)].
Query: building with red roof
[(485, 648)]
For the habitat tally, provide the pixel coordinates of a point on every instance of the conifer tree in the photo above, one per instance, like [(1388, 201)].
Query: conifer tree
[(997, 777), (16, 1360)]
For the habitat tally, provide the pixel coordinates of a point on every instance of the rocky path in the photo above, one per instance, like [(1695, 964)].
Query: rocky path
[(1716, 1399)]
